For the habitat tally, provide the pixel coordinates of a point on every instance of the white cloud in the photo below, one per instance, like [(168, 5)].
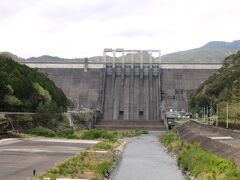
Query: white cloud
[(78, 28)]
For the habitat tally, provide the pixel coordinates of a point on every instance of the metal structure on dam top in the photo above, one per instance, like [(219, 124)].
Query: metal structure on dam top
[(123, 51)]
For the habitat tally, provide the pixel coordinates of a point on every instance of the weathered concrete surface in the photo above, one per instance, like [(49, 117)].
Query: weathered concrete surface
[(145, 159), (178, 84), (129, 93), (83, 88), (18, 157), (130, 97), (202, 134)]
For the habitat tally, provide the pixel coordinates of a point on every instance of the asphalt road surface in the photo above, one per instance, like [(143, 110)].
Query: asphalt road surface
[(18, 157), (145, 159)]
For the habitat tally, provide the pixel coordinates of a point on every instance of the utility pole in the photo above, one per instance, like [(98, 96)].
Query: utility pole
[(204, 114), (227, 116), (217, 116), (207, 114)]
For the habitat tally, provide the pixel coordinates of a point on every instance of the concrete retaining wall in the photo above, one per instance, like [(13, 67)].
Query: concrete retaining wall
[(226, 151)]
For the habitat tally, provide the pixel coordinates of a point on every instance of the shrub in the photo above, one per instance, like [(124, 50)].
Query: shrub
[(99, 134), (65, 133), (41, 132)]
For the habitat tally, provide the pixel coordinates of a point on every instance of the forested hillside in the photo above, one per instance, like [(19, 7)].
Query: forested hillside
[(224, 85), (24, 89), (221, 91)]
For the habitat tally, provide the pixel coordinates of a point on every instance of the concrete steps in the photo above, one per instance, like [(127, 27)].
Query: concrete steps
[(121, 124)]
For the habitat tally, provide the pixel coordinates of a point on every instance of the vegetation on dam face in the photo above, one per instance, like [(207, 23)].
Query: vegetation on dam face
[(26, 89), (221, 88)]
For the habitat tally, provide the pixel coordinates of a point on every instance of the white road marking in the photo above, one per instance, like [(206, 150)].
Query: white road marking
[(77, 141), (221, 137), (9, 141), (73, 150)]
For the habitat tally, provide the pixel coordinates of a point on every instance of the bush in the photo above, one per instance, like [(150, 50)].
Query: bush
[(67, 133), (41, 132), (99, 134)]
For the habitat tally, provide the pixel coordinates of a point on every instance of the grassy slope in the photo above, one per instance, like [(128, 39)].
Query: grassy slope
[(200, 163)]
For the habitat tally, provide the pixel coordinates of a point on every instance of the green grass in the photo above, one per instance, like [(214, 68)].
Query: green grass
[(87, 164), (99, 134), (111, 135), (41, 132), (84, 165), (67, 133), (201, 163), (132, 133), (104, 145), (103, 167)]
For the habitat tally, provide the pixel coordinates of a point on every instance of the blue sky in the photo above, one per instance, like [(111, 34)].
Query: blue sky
[(81, 28)]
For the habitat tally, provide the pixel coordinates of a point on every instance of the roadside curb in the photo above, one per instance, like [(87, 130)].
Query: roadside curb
[(118, 151)]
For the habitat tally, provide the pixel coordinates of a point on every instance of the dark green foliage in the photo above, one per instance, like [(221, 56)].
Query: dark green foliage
[(223, 86), (99, 134), (23, 88), (41, 132), (47, 114), (66, 133)]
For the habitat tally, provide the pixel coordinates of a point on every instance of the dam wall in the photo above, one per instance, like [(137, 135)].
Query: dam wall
[(178, 85), (83, 88), (130, 92)]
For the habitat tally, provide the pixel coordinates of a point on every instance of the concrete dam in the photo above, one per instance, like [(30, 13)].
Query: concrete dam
[(136, 89)]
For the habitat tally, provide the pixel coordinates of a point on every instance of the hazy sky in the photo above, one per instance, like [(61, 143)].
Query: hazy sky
[(80, 28)]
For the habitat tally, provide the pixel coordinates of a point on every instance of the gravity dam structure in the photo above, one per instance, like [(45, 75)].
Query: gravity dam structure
[(134, 86)]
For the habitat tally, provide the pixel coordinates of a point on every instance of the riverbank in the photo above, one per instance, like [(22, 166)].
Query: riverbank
[(199, 162), (222, 142)]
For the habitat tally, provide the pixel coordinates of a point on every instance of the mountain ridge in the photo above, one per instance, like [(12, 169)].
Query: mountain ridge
[(211, 52)]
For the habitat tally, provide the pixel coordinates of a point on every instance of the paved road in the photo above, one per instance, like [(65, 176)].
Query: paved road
[(18, 157), (145, 159)]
